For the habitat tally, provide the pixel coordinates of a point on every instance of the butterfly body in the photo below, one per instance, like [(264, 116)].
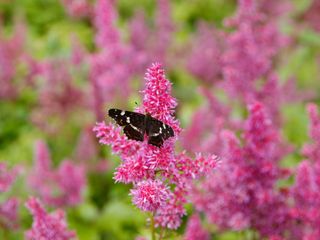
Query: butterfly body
[(136, 125)]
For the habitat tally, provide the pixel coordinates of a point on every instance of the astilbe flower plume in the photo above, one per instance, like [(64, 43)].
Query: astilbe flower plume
[(243, 193), (204, 61), (47, 226), (61, 187), (78, 8), (110, 67), (214, 116), (11, 50), (58, 94), (306, 190), (311, 16), (251, 50), (8, 208), (160, 177), (195, 230), (7, 177), (152, 44)]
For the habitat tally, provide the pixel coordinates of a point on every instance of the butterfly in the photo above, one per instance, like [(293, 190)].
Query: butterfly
[(137, 124)]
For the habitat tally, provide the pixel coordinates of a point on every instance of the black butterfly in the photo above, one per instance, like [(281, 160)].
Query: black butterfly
[(137, 124)]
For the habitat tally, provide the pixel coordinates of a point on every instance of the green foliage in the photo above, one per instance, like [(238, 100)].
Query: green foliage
[(107, 212)]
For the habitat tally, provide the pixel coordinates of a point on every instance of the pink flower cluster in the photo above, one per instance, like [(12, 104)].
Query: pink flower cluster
[(205, 60), (194, 230), (77, 8), (47, 226), (243, 194), (161, 178), (58, 94), (8, 208), (306, 190), (11, 50), (113, 64), (61, 187), (250, 50)]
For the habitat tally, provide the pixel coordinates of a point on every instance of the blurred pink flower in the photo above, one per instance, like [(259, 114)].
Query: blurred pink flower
[(7, 177), (9, 213), (204, 61), (306, 190), (152, 44), (8, 208), (47, 226), (62, 187), (11, 50), (214, 116), (77, 8), (150, 168), (250, 52), (242, 193), (111, 67), (58, 95), (311, 16), (195, 230)]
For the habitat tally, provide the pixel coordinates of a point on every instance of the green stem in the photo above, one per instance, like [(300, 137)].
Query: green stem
[(161, 233), (153, 232)]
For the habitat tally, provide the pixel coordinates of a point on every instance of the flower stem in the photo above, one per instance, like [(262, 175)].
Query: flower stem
[(153, 232)]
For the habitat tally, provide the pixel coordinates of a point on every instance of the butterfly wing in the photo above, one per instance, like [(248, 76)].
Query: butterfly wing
[(134, 123), (133, 134), (157, 131)]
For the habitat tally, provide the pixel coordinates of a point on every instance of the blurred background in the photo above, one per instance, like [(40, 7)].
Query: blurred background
[(64, 63)]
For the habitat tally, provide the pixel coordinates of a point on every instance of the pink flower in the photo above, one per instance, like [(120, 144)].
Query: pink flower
[(162, 36), (152, 44), (61, 187), (249, 55), (111, 67), (205, 58), (161, 178), (195, 230), (157, 99), (10, 51), (214, 116), (242, 193), (7, 177), (8, 208), (58, 95), (311, 150), (306, 190), (104, 20), (311, 16), (77, 8), (47, 226), (150, 195), (9, 213)]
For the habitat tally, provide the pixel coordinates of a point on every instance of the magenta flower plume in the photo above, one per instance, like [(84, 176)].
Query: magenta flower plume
[(7, 177), (47, 226), (306, 190), (161, 178), (61, 187), (150, 195), (8, 208), (77, 8), (204, 61), (249, 55), (11, 50), (312, 17), (195, 230), (105, 16), (242, 193), (9, 213)]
